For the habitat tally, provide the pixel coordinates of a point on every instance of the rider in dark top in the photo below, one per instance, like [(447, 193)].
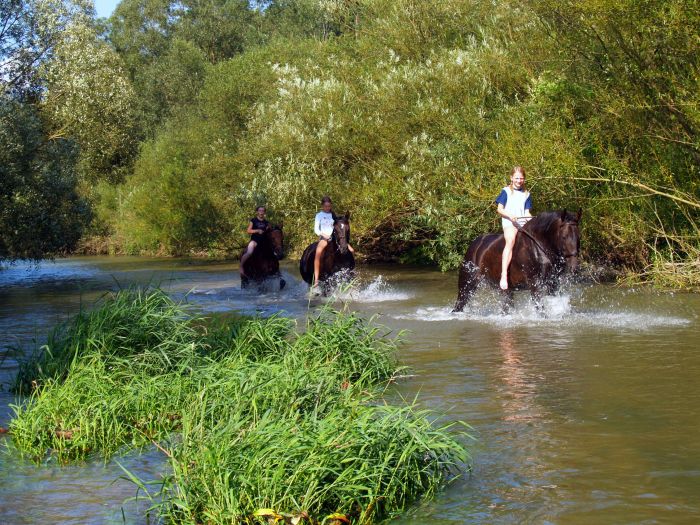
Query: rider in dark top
[(256, 229), (257, 225)]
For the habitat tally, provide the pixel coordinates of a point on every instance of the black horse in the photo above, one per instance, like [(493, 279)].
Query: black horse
[(546, 247), (264, 262), (335, 258)]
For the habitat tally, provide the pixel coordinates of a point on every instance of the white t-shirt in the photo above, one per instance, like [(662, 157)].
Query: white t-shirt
[(323, 224), (515, 202)]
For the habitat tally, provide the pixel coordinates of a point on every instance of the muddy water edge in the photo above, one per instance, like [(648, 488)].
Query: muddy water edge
[(588, 414)]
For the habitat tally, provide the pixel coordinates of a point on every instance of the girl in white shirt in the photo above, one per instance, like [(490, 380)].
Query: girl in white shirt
[(323, 227), (514, 207)]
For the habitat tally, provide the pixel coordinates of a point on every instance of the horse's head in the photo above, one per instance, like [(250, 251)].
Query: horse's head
[(569, 239), (276, 240), (341, 232)]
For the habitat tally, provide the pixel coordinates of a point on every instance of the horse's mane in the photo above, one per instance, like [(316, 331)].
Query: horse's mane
[(544, 221)]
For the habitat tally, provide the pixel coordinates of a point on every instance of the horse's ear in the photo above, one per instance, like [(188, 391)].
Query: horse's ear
[(347, 215), (563, 214), (578, 215)]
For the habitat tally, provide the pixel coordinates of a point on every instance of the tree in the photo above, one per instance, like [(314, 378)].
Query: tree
[(29, 31), (41, 213), (90, 99)]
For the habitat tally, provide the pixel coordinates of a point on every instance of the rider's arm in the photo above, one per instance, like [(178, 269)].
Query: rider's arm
[(501, 200), (250, 229), (528, 205)]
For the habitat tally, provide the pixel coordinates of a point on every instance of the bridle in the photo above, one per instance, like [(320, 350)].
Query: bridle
[(334, 236)]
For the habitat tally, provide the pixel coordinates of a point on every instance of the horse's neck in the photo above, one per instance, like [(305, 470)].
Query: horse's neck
[(266, 245), (543, 238)]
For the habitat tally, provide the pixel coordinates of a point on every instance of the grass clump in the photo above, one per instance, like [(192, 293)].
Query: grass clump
[(145, 326), (258, 419)]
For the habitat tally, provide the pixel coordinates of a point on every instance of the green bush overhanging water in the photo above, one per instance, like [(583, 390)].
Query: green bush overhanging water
[(259, 420)]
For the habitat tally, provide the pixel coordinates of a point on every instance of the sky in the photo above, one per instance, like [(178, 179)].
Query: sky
[(104, 8)]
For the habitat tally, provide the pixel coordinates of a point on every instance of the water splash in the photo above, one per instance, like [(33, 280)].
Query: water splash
[(557, 310), (377, 291)]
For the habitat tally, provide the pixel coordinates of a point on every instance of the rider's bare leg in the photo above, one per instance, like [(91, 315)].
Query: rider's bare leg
[(251, 247), (317, 260), (509, 235)]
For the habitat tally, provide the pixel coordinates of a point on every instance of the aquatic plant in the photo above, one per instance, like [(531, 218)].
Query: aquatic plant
[(254, 415), (142, 325)]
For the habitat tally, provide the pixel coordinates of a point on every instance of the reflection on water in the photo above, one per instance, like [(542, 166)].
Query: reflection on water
[(519, 388), (587, 413)]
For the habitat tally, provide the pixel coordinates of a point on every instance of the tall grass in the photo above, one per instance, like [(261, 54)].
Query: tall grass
[(255, 416), (145, 326)]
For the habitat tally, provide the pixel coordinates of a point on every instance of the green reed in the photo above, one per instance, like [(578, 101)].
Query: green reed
[(259, 420)]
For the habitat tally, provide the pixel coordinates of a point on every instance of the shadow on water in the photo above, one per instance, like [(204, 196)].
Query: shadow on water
[(586, 414)]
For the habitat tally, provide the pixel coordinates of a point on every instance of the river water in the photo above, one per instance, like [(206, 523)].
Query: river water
[(587, 414)]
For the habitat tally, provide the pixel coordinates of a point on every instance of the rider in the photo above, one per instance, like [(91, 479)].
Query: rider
[(323, 227), (256, 229), (514, 205)]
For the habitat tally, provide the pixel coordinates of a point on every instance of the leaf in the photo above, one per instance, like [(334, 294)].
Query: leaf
[(266, 513), (338, 517)]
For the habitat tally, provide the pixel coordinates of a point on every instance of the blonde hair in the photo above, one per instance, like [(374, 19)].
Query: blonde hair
[(517, 169)]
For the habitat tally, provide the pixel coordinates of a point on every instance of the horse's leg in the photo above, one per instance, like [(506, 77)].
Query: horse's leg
[(283, 283), (536, 294), (468, 281), (508, 302)]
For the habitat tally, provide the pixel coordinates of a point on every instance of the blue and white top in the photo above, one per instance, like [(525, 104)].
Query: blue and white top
[(323, 225), (515, 202)]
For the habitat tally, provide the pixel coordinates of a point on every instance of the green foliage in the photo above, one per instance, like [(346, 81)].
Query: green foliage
[(173, 202), (30, 31), (89, 99), (414, 125), (408, 113), (266, 416), (41, 213)]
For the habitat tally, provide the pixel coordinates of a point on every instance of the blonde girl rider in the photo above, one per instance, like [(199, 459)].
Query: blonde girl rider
[(256, 229), (323, 227), (514, 205)]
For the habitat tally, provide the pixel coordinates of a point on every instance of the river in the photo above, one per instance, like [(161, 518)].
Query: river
[(587, 414)]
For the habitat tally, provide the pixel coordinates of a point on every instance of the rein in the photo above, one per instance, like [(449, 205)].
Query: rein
[(521, 229)]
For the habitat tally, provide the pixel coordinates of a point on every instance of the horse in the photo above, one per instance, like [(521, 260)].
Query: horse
[(545, 248), (335, 258), (264, 262)]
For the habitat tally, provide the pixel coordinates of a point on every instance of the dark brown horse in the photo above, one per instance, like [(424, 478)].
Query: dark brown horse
[(335, 258), (264, 263), (545, 248)]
